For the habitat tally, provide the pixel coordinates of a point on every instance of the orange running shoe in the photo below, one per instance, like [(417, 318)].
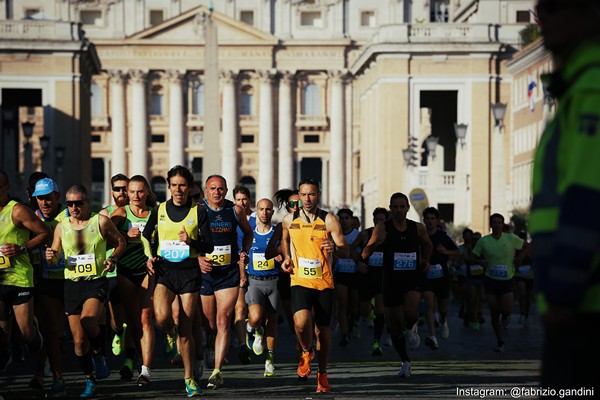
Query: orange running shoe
[(304, 365), (323, 383)]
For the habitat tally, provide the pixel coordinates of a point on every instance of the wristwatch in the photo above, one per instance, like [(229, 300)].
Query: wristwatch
[(23, 249)]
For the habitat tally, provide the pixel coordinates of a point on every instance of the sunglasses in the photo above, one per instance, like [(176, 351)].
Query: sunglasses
[(46, 197), (119, 188), (197, 196), (294, 204), (75, 203)]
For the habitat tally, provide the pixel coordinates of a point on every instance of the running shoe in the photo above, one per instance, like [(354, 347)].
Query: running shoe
[(431, 341), (258, 345), (126, 371), (89, 390), (58, 389), (191, 388), (171, 345), (177, 361), (445, 331), (102, 370), (376, 349), (215, 381), (344, 341), (413, 338), (506, 321), (269, 368), (476, 326), (304, 364), (405, 371), (118, 343), (356, 332), (36, 383), (323, 383), (143, 379)]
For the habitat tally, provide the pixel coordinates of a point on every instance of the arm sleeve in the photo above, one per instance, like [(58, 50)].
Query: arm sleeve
[(147, 234)]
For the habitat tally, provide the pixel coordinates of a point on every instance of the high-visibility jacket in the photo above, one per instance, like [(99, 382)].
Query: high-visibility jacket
[(565, 219)]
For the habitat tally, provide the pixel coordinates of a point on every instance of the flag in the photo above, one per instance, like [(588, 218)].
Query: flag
[(530, 86)]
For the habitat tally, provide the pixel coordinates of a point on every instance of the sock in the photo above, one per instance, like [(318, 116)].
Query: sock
[(400, 346), (378, 326), (249, 329), (271, 355), (145, 370), (86, 363)]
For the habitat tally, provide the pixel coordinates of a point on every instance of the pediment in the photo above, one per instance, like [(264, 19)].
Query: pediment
[(188, 28)]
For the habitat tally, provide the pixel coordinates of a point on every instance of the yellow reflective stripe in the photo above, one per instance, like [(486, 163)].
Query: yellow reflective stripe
[(543, 220)]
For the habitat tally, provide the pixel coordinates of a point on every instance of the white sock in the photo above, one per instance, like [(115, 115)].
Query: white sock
[(145, 370)]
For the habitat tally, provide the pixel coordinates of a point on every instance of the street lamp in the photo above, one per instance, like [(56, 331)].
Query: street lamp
[(460, 130), (499, 109), (28, 130), (44, 144), (431, 142)]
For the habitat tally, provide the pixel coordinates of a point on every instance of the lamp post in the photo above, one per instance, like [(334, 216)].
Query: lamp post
[(460, 130), (431, 142), (44, 144), (499, 109), (27, 127)]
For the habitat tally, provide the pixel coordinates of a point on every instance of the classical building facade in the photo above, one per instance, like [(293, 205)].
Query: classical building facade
[(333, 89)]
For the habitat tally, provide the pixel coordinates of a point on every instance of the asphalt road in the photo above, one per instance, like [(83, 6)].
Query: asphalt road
[(466, 360)]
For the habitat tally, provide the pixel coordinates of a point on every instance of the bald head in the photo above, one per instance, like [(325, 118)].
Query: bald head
[(264, 211)]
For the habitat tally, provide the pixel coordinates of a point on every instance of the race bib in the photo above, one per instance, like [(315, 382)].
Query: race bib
[(375, 259), (526, 271), (476, 270), (405, 261), (174, 250), (140, 225), (82, 265), (311, 269), (498, 271), (435, 271), (260, 263), (346, 265), (4, 261), (221, 255)]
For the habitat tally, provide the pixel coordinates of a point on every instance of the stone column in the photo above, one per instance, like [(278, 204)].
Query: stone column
[(117, 113), (139, 136), (266, 164), (337, 143), (286, 144), (229, 161), (176, 140)]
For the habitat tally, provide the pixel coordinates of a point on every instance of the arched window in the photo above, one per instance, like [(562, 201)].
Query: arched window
[(247, 100), (159, 188), (311, 100), (198, 99), (96, 100), (158, 101)]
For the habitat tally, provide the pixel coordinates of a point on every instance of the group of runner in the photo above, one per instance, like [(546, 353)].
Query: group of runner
[(198, 263)]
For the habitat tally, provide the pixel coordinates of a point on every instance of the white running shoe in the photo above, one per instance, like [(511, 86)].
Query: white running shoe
[(413, 338), (269, 368), (432, 342), (258, 346), (405, 371), (445, 331)]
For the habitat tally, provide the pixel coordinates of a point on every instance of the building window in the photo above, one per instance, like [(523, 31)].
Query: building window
[(311, 138), (159, 188), (311, 18), (247, 138), (250, 183), (96, 100), (247, 17), (156, 17), (29, 12), (158, 101), (158, 138), (367, 19), (311, 100), (523, 16), (247, 100), (438, 11), (91, 17), (198, 99)]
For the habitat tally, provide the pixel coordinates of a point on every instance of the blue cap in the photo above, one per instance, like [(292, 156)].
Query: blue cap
[(45, 186)]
